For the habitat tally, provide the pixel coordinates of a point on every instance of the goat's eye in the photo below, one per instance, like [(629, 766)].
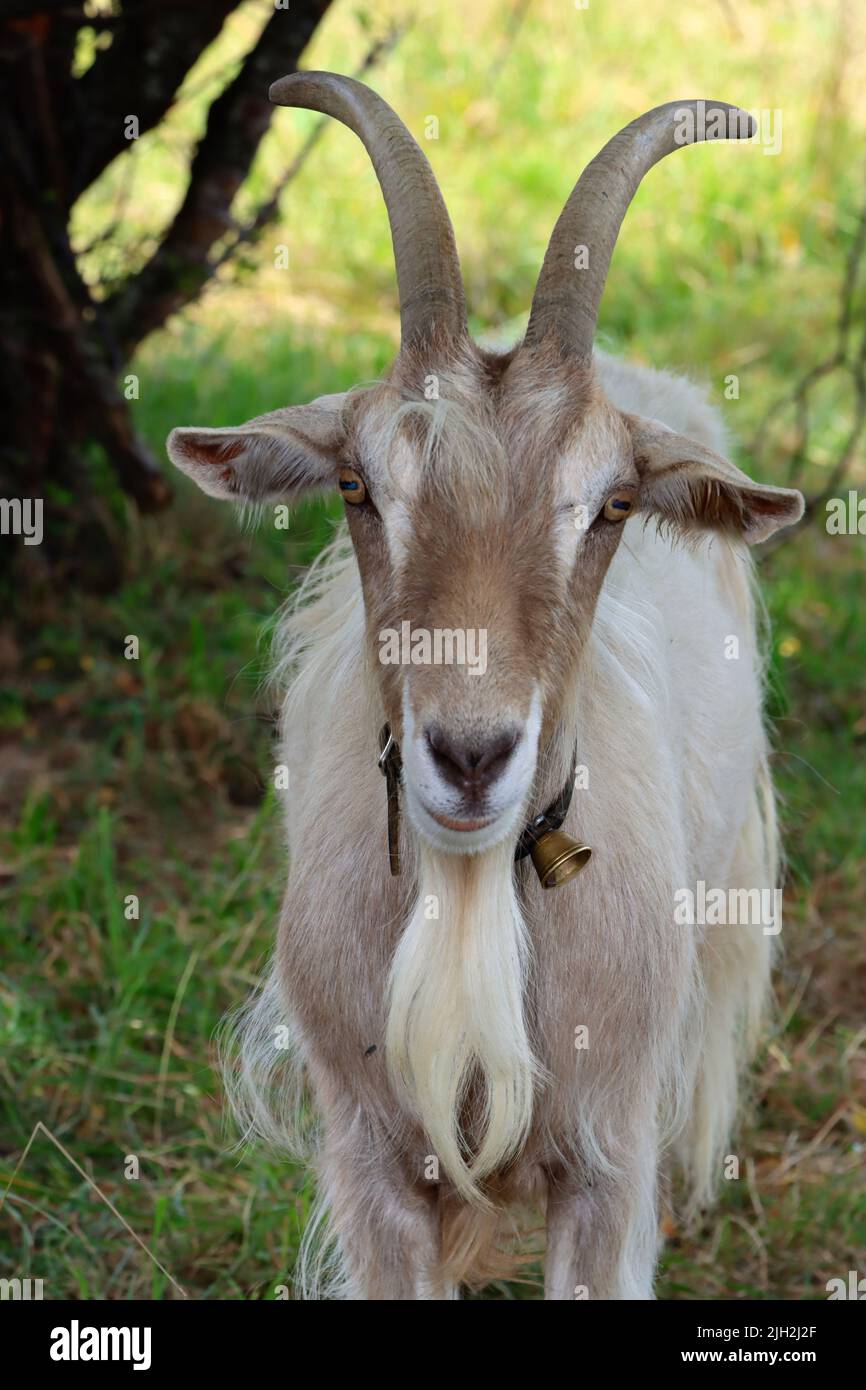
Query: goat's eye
[(618, 505), (352, 486)]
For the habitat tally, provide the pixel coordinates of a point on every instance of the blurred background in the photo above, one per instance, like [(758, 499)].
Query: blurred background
[(176, 252)]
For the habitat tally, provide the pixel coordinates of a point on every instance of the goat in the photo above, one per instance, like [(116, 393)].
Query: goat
[(473, 1047)]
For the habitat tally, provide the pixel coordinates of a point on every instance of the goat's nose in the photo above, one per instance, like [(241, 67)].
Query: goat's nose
[(471, 765)]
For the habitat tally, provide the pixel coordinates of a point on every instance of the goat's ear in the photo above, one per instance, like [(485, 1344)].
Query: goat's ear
[(279, 455), (697, 489)]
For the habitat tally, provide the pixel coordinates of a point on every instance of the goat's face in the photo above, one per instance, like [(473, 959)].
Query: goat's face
[(482, 543), (486, 495)]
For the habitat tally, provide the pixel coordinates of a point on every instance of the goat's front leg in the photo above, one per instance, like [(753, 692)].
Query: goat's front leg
[(602, 1240), (386, 1223)]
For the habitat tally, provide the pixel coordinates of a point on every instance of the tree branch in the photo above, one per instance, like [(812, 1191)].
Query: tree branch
[(236, 123), (98, 398), (139, 74), (267, 211), (848, 359)]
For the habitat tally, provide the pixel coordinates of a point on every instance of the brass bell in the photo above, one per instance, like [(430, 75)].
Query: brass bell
[(557, 858)]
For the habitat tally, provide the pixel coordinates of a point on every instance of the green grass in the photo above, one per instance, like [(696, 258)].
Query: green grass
[(150, 777), (111, 1079)]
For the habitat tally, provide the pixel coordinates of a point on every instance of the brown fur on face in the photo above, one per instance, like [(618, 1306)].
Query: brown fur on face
[(472, 485)]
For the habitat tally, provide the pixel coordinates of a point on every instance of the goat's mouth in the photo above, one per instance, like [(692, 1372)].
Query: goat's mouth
[(465, 833), (464, 825)]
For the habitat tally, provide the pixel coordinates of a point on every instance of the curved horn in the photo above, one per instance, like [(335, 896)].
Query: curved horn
[(428, 270), (567, 299)]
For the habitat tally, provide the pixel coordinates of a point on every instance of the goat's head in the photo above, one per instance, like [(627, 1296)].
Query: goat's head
[(485, 494)]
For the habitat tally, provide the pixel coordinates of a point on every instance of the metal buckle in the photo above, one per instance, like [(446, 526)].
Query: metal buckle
[(390, 744)]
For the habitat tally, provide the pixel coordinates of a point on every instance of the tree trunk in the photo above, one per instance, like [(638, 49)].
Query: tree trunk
[(57, 369), (62, 351)]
